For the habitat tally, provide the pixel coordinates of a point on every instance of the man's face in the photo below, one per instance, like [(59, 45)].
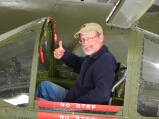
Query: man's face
[(91, 43)]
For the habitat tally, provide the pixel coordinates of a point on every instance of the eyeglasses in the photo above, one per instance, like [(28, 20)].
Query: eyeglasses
[(88, 39)]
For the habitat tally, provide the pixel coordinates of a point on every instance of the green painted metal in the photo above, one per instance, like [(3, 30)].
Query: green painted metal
[(135, 75), (65, 77)]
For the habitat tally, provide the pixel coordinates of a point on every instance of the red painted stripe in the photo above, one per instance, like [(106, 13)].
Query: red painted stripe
[(78, 106), (45, 115)]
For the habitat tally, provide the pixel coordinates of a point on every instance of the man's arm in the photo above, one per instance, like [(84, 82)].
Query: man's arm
[(70, 59), (73, 61)]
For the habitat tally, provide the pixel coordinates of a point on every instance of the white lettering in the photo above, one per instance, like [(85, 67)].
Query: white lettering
[(61, 117), (62, 104), (83, 105), (88, 106), (78, 105), (77, 117), (64, 117), (93, 106), (67, 105)]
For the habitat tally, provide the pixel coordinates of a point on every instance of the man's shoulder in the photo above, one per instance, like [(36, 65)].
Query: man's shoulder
[(107, 58), (107, 54)]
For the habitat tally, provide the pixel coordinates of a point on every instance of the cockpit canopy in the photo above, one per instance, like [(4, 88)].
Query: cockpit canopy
[(125, 13), (18, 49)]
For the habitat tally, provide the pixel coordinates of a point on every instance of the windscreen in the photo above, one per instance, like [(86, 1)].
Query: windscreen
[(148, 98), (130, 12), (16, 57)]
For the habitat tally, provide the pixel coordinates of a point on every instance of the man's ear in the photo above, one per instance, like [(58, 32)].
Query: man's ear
[(101, 37)]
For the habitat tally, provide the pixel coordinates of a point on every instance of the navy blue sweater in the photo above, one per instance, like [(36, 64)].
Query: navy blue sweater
[(97, 73)]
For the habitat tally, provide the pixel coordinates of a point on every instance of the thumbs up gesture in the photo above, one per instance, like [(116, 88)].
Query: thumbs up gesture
[(59, 52)]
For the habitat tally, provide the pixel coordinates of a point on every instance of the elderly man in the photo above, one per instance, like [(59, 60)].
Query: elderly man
[(96, 70)]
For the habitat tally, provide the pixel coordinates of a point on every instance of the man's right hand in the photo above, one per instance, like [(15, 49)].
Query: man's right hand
[(59, 52)]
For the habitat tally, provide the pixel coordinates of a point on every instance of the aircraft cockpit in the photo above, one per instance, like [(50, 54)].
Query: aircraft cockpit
[(17, 59), (16, 62), (26, 59)]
